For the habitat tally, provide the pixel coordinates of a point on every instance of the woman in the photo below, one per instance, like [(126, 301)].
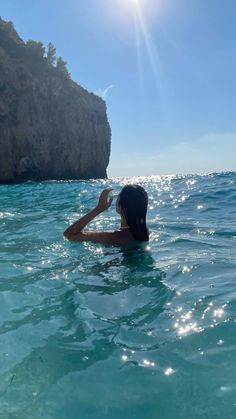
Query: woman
[(131, 204)]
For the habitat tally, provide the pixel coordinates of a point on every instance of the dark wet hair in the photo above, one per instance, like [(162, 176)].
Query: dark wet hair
[(133, 202)]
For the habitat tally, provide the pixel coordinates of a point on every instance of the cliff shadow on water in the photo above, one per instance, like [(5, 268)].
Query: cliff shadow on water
[(50, 127)]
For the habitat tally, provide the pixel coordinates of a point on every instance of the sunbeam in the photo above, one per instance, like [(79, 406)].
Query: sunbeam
[(138, 52), (141, 26)]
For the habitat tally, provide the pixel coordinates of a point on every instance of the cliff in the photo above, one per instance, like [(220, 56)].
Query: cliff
[(50, 127)]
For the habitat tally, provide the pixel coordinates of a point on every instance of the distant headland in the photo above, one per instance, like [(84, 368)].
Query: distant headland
[(50, 127)]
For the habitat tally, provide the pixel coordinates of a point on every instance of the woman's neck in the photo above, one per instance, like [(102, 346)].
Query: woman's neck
[(123, 223)]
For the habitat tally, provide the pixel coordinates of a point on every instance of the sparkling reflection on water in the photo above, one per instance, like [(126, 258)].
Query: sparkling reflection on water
[(91, 331)]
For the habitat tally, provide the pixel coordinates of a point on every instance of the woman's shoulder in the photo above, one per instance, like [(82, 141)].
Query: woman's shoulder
[(125, 238)]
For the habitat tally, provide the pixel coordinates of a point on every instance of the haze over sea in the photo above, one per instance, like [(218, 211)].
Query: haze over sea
[(89, 331)]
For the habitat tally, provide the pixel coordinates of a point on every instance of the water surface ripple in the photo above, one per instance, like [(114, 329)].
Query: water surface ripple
[(89, 331)]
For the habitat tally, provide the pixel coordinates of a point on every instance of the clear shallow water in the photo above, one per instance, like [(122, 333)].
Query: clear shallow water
[(88, 331)]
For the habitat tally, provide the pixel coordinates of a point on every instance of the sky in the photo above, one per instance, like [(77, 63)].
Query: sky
[(166, 69)]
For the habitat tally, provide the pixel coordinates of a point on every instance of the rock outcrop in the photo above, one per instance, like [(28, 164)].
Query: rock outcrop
[(50, 127)]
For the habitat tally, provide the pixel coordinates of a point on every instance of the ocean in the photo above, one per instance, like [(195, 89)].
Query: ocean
[(91, 331)]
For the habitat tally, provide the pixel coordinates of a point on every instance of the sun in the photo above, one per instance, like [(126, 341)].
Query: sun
[(133, 1)]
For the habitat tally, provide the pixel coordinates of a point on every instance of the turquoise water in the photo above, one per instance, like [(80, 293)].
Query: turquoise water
[(88, 331)]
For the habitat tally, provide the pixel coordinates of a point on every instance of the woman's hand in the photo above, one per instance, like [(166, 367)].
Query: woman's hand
[(104, 203)]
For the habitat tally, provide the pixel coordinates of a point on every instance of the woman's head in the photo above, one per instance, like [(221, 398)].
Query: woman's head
[(132, 204)]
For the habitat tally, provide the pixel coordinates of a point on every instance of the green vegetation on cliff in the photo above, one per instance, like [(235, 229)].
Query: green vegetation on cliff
[(31, 51)]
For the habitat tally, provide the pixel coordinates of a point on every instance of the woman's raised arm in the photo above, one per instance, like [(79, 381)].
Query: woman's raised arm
[(75, 231)]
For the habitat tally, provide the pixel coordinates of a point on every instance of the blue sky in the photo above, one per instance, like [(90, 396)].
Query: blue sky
[(166, 68)]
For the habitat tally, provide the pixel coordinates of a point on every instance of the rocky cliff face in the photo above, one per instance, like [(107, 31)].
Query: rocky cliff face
[(50, 128)]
